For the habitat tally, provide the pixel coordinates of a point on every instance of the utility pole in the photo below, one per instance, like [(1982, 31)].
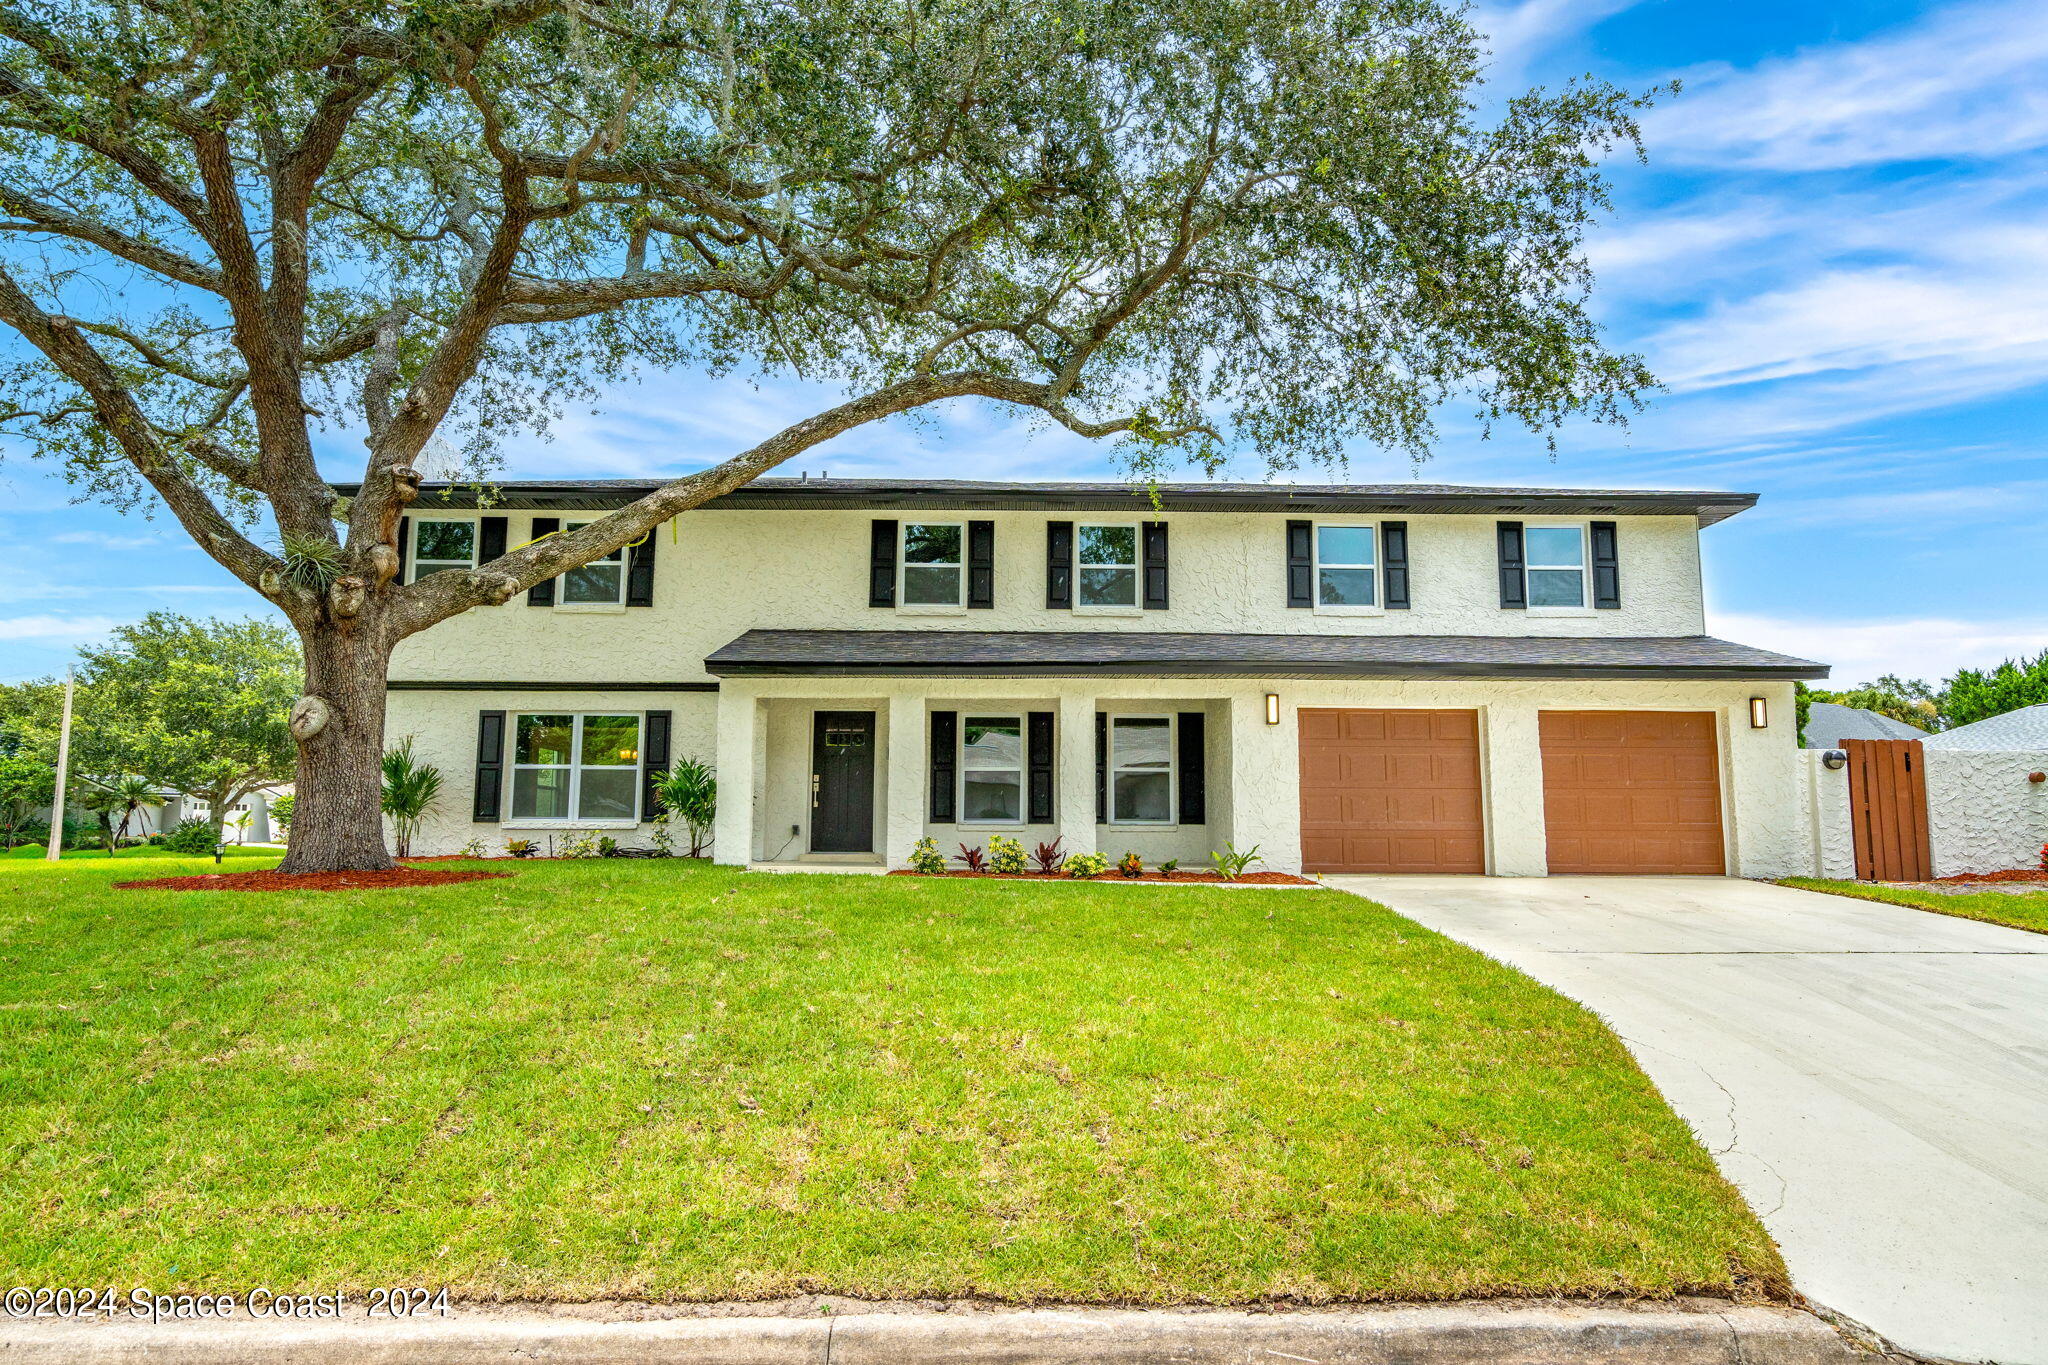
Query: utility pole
[(63, 774)]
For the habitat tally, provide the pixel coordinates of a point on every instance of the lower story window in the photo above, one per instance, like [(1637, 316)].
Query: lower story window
[(1141, 770), (572, 767), (992, 770)]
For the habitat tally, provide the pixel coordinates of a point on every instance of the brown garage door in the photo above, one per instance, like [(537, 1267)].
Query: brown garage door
[(1391, 791), (1632, 791)]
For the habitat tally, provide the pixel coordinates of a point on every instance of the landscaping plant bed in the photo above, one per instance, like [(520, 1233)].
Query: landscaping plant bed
[(308, 881), (2011, 874), (1248, 879)]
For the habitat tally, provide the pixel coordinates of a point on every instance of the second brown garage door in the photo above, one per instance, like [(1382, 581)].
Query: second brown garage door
[(1391, 791), (1632, 792)]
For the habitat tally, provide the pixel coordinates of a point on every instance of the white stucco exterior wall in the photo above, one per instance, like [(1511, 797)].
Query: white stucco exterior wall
[(720, 574), (1830, 842), (1983, 815)]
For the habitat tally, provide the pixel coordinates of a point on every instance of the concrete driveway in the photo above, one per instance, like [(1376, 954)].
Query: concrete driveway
[(1874, 1079)]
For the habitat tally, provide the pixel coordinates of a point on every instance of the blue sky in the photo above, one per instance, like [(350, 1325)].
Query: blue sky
[(1836, 260)]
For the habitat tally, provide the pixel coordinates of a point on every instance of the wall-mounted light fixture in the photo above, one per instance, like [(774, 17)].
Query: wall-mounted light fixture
[(1272, 708), (1834, 760), (1759, 713)]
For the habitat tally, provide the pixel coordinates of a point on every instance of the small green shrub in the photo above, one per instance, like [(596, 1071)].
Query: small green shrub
[(1130, 865), (1086, 865), (1230, 864), (519, 848), (191, 836), (1169, 867), (1005, 855), (926, 858)]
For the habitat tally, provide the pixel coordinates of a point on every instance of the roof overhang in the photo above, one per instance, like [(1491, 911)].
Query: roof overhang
[(964, 495), (1044, 654)]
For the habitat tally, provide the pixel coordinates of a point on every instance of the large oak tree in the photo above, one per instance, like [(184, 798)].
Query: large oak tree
[(1194, 226)]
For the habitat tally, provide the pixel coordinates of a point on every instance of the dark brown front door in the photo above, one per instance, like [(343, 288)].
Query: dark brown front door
[(1391, 791), (843, 782), (1632, 792)]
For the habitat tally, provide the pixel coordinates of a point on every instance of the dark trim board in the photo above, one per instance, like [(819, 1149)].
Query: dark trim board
[(427, 685), (1668, 673), (971, 495)]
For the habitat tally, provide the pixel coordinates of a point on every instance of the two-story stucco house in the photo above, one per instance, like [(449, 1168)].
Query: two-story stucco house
[(1353, 678)]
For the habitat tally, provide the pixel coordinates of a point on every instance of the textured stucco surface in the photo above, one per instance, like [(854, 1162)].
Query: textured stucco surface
[(1982, 813), (719, 574), (1826, 813)]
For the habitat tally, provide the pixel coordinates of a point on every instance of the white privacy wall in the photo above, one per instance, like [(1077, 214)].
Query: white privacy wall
[(1983, 815)]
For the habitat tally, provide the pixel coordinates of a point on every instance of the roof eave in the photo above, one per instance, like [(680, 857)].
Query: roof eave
[(1210, 668)]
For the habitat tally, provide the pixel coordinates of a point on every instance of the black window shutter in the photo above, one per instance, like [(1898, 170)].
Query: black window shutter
[(1194, 782), (1059, 565), (1514, 582), (1101, 767), (945, 760), (1301, 588), (404, 544), (1606, 567), (490, 538), (1038, 738), (653, 761), (490, 766), (640, 571), (882, 563), (1154, 558), (1394, 564), (543, 594), (981, 564)]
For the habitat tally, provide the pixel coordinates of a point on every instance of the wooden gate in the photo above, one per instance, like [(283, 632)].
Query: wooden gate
[(1888, 809)]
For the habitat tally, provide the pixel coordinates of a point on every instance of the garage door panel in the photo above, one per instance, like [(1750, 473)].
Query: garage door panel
[(1391, 791), (1632, 792)]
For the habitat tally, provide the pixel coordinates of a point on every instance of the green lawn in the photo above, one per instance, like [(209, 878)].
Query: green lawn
[(34, 853), (678, 1081), (2027, 911)]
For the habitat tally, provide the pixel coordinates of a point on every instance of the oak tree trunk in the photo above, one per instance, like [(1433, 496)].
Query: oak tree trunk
[(338, 823)]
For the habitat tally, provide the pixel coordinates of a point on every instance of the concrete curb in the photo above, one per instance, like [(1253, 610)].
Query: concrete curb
[(1687, 1332)]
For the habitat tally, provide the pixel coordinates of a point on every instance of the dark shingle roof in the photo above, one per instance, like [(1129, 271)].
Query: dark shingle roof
[(1172, 654), (978, 496)]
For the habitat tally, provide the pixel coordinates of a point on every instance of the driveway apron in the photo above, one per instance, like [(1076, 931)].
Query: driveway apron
[(1873, 1078)]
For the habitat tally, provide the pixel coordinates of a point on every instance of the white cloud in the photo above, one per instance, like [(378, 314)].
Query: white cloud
[(1520, 32), (1932, 648), (105, 541), (1967, 82), (56, 627)]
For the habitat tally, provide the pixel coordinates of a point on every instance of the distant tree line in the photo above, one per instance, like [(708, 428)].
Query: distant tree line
[(1970, 695)]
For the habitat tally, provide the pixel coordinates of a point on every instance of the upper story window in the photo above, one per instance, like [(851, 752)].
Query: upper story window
[(601, 582), (576, 768), (438, 545), (1556, 557), (932, 570), (992, 770), (1106, 557), (1347, 568), (1141, 770)]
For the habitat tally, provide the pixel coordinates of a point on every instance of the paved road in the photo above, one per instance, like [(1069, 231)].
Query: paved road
[(1874, 1079)]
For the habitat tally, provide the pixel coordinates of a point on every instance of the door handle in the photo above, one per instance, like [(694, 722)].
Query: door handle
[(814, 791)]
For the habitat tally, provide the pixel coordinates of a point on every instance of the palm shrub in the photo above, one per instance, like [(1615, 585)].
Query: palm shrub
[(192, 836), (688, 791), (410, 787)]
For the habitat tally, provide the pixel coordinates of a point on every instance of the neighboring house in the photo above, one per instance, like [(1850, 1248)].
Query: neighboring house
[(1828, 724), (2021, 731), (1351, 677), (178, 807)]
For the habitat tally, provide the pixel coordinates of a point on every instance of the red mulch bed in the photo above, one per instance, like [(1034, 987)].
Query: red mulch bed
[(2016, 874), (308, 881), (1248, 879)]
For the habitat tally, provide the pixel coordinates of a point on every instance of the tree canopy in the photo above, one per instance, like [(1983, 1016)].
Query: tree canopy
[(237, 234)]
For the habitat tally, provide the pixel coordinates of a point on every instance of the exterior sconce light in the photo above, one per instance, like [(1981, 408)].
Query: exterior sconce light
[(1272, 708), (1759, 713), (1834, 760)]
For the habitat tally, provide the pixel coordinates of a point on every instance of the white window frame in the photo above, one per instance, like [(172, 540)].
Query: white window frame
[(1172, 819), (1022, 770), (1584, 567), (1137, 568), (412, 556), (1315, 548), (903, 567), (575, 765), (562, 602)]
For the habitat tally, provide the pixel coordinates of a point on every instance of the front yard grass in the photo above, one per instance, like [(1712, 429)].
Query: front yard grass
[(2027, 910), (669, 1080), (35, 853)]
